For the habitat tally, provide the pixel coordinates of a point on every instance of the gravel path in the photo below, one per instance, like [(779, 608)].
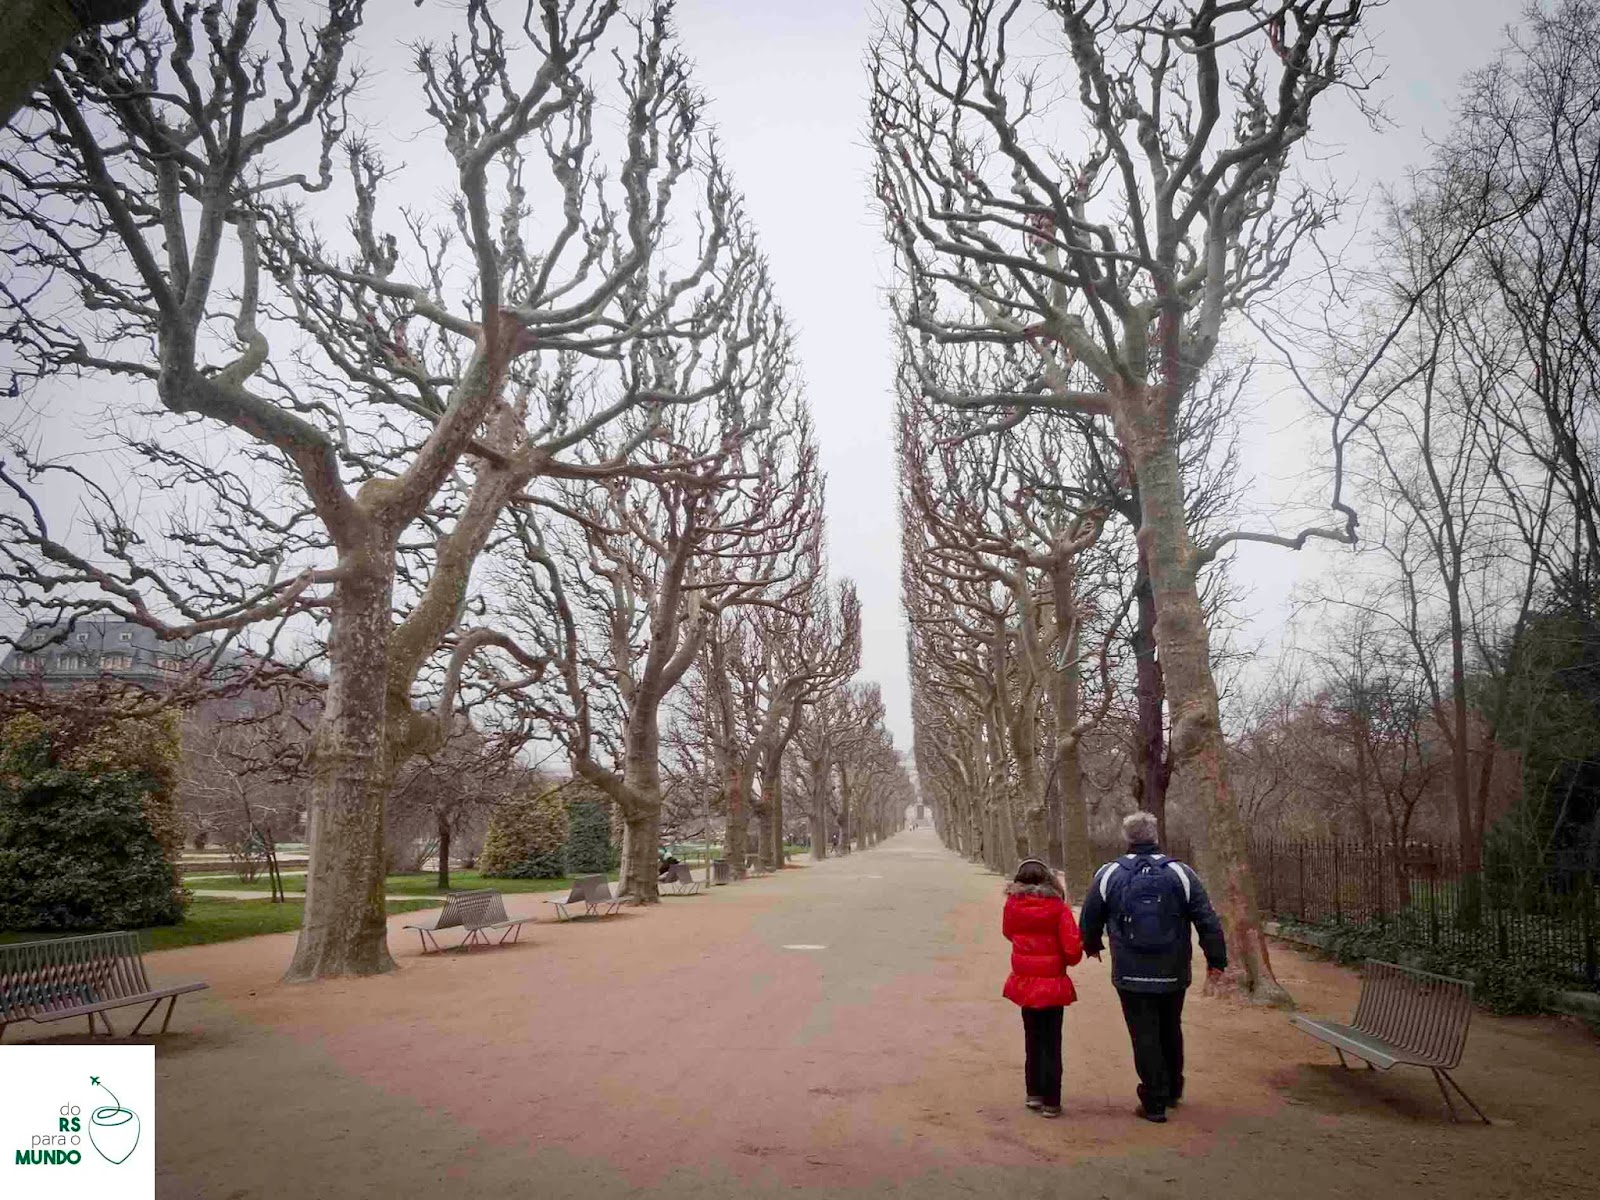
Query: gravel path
[(834, 1031)]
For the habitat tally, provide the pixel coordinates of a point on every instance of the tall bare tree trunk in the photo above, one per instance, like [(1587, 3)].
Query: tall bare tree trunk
[(345, 931), (1055, 818), (1460, 769), (1197, 742), (735, 777), (1151, 776), (844, 810), (642, 855), (1078, 862), (444, 852), (820, 769), (777, 818), (625, 856), (763, 815)]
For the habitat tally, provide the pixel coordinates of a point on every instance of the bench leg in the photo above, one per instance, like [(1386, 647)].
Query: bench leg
[(104, 1020), (1438, 1077), (172, 1002), (1441, 1077), (1343, 1062), (147, 1014)]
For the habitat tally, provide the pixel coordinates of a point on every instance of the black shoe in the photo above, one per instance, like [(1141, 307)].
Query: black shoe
[(1050, 1110), (1034, 1103), (1156, 1116)]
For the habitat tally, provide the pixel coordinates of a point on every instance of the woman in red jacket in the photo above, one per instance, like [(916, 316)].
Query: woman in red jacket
[(1045, 941)]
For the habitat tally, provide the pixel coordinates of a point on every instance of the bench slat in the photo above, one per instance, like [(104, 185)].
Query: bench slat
[(57, 978), (1423, 1015)]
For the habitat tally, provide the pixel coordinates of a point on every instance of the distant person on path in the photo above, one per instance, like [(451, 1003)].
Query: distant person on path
[(1147, 902), (1044, 939)]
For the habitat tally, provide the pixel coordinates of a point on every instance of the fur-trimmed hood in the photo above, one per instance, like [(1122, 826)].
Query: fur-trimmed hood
[(1032, 889)]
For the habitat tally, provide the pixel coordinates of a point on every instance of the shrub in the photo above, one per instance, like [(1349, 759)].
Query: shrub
[(1500, 986), (589, 848), (527, 838), (89, 829)]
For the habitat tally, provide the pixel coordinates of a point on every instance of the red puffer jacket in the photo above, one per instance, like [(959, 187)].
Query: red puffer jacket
[(1044, 943)]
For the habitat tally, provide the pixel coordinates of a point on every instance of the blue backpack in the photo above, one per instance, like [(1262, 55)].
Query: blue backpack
[(1152, 917)]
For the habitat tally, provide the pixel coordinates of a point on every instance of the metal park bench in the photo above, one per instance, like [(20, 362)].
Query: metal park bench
[(479, 913), (593, 892), (80, 977), (1405, 1017), (680, 879)]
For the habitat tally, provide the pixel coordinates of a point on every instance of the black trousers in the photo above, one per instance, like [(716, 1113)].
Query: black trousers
[(1155, 1026), (1041, 1033)]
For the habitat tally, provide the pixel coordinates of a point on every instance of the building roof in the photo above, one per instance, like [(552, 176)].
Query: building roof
[(88, 649)]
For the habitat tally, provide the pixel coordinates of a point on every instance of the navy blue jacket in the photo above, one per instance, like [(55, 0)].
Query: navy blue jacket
[(1164, 971)]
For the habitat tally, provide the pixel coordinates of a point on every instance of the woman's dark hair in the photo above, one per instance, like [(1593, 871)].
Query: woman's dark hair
[(1033, 873)]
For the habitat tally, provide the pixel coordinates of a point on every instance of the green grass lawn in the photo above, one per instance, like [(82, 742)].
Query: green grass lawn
[(425, 884), (211, 919)]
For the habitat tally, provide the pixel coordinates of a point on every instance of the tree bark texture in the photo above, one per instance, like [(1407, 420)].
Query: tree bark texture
[(345, 931), (444, 853), (1197, 742)]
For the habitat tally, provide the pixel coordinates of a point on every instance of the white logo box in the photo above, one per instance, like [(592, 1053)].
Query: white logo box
[(78, 1122)]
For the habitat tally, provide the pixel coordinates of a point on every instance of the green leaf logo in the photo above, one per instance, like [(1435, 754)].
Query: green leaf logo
[(113, 1129)]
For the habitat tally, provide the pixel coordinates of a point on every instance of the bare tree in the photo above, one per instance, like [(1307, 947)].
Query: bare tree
[(451, 792), (620, 592), (389, 396), (1117, 258)]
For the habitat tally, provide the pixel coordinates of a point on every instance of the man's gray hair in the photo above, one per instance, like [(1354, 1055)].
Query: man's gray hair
[(1139, 827)]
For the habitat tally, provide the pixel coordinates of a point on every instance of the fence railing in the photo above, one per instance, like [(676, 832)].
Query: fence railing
[(1542, 917)]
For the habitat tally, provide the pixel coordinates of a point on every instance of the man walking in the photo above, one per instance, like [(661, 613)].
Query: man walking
[(1147, 902)]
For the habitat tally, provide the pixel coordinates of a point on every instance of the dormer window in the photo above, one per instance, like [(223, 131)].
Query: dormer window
[(126, 635)]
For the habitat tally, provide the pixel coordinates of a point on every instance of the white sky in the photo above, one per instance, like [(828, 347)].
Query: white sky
[(788, 94)]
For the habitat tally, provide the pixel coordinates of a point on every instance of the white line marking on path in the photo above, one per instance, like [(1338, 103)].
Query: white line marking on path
[(804, 946)]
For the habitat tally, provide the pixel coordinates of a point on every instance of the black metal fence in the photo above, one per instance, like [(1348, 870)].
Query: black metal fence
[(1541, 917)]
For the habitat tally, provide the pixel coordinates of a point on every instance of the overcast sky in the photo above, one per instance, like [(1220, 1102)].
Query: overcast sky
[(788, 94)]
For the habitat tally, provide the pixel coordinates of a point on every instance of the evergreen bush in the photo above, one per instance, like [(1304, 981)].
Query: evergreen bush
[(527, 838), (89, 827), (589, 847)]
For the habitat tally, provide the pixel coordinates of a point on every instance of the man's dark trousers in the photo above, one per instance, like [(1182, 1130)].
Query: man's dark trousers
[(1155, 1025), (1041, 1032)]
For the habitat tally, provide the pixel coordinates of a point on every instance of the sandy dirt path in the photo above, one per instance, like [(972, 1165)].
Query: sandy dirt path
[(690, 1051)]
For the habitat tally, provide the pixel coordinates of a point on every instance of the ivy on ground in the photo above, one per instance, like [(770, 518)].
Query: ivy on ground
[(1498, 985)]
